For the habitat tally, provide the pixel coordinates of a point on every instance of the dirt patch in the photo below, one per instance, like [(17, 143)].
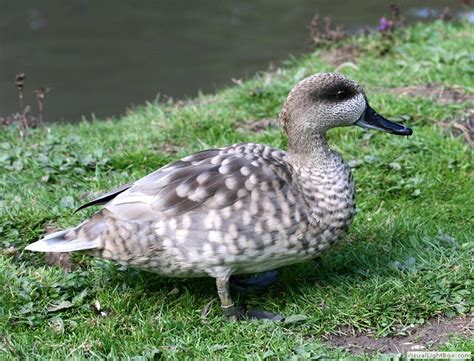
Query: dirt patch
[(426, 337), (439, 92), (337, 57), (257, 126)]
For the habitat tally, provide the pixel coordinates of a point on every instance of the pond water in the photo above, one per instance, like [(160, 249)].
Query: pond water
[(100, 57)]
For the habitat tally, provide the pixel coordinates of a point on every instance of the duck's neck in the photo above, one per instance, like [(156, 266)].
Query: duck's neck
[(311, 150), (325, 182)]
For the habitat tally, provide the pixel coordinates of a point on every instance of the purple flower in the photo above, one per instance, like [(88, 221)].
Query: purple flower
[(384, 24)]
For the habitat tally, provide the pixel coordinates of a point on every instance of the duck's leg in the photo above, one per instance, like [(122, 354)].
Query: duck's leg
[(231, 312), (234, 313)]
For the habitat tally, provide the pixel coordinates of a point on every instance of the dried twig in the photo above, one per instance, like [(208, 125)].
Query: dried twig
[(323, 34), (20, 82), (40, 94)]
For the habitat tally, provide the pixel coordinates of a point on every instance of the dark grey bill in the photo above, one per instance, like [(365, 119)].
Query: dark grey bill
[(372, 120)]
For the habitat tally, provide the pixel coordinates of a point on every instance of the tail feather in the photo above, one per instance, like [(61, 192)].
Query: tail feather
[(85, 236), (62, 241)]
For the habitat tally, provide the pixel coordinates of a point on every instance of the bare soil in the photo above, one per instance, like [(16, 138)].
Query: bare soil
[(416, 338), (441, 93)]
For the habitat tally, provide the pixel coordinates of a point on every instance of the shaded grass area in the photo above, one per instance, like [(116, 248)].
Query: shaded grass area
[(408, 257)]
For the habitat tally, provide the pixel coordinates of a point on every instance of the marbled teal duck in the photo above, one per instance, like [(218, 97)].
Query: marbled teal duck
[(239, 209)]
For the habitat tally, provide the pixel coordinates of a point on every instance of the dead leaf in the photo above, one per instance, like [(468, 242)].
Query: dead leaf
[(206, 310)]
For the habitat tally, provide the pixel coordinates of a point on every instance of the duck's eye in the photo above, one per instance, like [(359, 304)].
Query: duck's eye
[(341, 94)]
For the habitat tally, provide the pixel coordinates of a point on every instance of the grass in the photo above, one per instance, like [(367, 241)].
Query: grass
[(407, 258)]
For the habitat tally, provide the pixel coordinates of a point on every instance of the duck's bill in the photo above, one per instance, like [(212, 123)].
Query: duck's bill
[(372, 120)]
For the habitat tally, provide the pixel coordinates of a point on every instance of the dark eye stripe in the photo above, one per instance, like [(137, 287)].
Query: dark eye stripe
[(342, 93), (335, 93)]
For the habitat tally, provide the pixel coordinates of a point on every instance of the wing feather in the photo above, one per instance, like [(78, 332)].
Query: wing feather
[(212, 179), (104, 198)]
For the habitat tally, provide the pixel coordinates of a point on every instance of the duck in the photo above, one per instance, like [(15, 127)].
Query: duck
[(239, 209)]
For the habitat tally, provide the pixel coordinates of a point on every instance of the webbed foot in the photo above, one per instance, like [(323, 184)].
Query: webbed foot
[(263, 315), (235, 313)]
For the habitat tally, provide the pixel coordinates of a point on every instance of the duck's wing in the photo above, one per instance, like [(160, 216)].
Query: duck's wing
[(107, 197), (211, 179), (203, 182)]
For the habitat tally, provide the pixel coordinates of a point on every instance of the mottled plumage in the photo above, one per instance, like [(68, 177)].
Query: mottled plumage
[(238, 209)]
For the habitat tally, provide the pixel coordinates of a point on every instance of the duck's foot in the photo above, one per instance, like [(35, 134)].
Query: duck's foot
[(257, 283), (234, 313), (263, 315)]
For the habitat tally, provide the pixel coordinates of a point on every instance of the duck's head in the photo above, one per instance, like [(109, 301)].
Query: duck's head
[(328, 100)]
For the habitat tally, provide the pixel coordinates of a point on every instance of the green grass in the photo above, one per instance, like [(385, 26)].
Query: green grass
[(407, 258)]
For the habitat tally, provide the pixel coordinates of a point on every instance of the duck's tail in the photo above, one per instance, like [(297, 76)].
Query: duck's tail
[(61, 242), (83, 237)]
